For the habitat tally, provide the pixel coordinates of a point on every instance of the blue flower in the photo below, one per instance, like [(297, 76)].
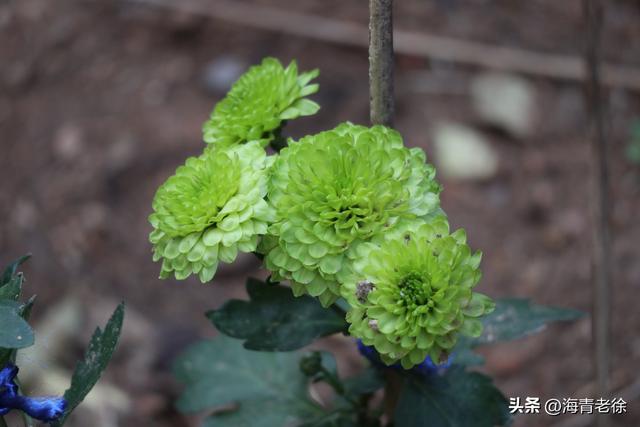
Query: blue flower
[(426, 367), (45, 409)]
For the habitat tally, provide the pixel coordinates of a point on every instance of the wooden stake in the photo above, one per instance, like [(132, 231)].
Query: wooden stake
[(601, 323), (381, 62)]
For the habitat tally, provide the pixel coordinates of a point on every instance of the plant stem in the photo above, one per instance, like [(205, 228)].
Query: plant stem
[(26, 419), (336, 384), (381, 62), (392, 389), (382, 106), (600, 204)]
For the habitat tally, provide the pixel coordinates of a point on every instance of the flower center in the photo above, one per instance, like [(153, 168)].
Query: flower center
[(415, 289)]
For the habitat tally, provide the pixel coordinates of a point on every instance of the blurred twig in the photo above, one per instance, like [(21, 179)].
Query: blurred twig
[(407, 43), (596, 103)]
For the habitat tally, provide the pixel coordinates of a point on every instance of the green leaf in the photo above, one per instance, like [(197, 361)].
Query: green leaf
[(97, 356), (515, 318), (455, 399), (11, 280), (12, 269), (335, 419), (463, 355), (15, 332), (12, 288), (275, 320), (368, 381), (24, 310), (257, 389)]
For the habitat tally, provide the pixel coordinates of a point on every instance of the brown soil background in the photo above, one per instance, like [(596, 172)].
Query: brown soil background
[(101, 100)]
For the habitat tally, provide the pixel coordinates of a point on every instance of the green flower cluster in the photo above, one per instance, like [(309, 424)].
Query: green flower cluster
[(335, 190), (214, 205), (259, 102), (411, 292), (349, 212), (209, 210)]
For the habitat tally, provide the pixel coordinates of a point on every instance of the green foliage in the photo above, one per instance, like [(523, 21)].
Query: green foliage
[(96, 358), (350, 405), (11, 280), (367, 382), (456, 399), (15, 332), (512, 319), (515, 318), (258, 103), (350, 219), (247, 388), (274, 320)]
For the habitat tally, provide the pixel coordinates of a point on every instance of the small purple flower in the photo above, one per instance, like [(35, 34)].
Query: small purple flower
[(45, 409), (426, 367)]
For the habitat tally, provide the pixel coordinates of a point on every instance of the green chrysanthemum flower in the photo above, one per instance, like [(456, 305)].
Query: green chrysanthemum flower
[(335, 190), (259, 102), (209, 210), (411, 293)]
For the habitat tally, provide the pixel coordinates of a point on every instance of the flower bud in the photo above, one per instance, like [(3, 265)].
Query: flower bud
[(259, 102)]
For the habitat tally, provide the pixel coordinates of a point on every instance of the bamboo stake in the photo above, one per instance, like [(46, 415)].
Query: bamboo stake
[(601, 323)]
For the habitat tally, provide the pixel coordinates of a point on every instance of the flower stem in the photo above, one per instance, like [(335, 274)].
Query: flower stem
[(28, 422), (337, 386), (26, 419)]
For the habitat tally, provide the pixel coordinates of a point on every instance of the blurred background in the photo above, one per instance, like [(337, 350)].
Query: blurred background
[(100, 101)]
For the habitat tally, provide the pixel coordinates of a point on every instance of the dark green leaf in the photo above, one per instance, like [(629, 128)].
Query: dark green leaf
[(97, 356), (463, 355), (24, 310), (335, 419), (12, 288), (275, 320), (455, 399), (15, 332), (515, 318), (257, 389), (368, 381), (12, 269)]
